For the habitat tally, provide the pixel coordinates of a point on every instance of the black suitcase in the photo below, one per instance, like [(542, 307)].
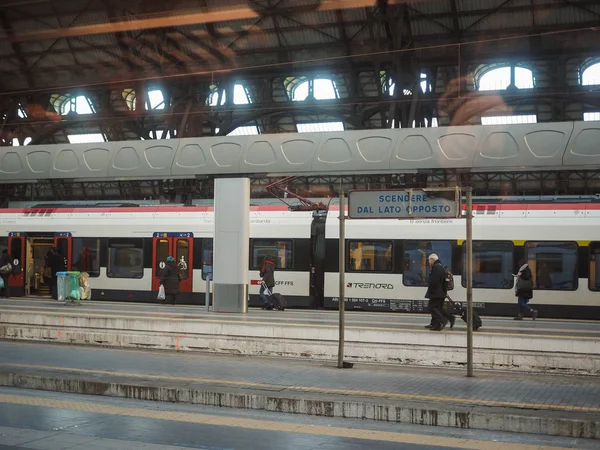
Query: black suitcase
[(477, 323), (277, 300)]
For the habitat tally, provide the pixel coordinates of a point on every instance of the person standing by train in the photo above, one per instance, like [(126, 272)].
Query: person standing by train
[(436, 294), (5, 260), (170, 278), (524, 290), (57, 263), (267, 273)]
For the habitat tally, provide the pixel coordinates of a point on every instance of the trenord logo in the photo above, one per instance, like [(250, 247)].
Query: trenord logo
[(370, 285)]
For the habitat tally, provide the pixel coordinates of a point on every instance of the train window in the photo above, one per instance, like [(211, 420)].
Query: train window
[(86, 256), (16, 248), (594, 279), (162, 252), (3, 244), (416, 253), (182, 257), (125, 258), (553, 265), (62, 245), (280, 249), (369, 256), (492, 265), (207, 257)]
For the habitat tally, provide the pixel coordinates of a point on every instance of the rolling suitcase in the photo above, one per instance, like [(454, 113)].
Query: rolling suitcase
[(277, 300), (477, 323)]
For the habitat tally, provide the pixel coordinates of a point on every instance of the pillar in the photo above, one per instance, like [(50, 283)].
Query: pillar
[(231, 244)]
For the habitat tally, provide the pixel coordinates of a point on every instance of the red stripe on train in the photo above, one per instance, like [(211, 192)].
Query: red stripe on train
[(283, 208)]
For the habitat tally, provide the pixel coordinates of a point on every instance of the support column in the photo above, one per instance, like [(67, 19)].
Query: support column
[(231, 245)]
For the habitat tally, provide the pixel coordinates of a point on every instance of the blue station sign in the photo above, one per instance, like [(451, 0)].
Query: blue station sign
[(404, 204)]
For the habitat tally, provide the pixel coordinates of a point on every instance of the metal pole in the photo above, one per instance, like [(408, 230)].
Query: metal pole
[(469, 268), (342, 265), (207, 296)]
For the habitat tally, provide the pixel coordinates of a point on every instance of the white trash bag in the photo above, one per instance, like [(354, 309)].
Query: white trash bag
[(161, 293), (85, 288)]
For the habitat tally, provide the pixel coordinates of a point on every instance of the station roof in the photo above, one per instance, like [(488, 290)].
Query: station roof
[(47, 44)]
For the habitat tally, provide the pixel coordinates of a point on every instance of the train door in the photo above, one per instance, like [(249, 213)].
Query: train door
[(181, 247), (16, 250), (317, 260), (64, 243), (37, 274)]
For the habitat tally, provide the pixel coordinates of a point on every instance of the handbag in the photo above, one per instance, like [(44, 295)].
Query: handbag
[(525, 285), (161, 293)]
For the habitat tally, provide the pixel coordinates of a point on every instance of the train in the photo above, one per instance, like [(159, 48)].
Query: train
[(124, 247)]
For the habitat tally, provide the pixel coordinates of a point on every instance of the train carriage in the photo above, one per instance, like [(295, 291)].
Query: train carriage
[(122, 248)]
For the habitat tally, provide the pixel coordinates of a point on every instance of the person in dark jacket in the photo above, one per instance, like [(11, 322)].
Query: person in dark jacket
[(169, 278), (57, 263), (436, 294), (267, 273), (4, 260), (524, 290)]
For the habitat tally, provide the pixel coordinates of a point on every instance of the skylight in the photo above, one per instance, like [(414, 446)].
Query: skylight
[(86, 138), (317, 127), (392, 86), (323, 89), (241, 96), (591, 116), (245, 131), (156, 99), (509, 120), (499, 79), (591, 75), (15, 142)]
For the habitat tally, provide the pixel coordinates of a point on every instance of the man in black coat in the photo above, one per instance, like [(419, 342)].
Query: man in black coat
[(57, 263), (4, 260), (436, 293)]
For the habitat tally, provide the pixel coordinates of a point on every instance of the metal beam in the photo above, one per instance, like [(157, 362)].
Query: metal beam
[(202, 16), (16, 47)]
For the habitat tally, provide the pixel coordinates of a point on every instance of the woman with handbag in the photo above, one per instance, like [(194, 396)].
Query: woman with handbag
[(524, 290), (169, 279)]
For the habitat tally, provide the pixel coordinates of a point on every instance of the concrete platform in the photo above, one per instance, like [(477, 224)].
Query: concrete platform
[(541, 346), (500, 401)]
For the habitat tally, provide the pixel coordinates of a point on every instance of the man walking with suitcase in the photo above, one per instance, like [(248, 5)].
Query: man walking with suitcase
[(267, 273), (436, 293)]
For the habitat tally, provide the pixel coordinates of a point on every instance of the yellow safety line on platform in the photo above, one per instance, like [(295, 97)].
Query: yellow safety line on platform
[(287, 324), (269, 425), (314, 389)]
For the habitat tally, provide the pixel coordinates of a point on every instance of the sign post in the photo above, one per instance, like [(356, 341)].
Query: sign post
[(440, 203), (469, 269), (342, 302)]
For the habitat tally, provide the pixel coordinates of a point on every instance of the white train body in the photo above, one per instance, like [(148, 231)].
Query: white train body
[(561, 237)]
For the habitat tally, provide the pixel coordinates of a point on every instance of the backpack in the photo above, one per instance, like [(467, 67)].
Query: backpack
[(448, 283), (6, 269)]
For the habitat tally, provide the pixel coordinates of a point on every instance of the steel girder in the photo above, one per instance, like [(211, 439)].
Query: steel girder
[(522, 183)]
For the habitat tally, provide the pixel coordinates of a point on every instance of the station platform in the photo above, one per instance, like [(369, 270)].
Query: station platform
[(545, 404), (544, 345)]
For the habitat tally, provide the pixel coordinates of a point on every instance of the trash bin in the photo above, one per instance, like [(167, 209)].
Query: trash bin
[(68, 286)]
